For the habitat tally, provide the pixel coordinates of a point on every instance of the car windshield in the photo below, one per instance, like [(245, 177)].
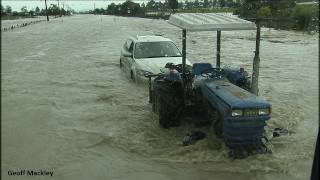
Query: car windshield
[(156, 49)]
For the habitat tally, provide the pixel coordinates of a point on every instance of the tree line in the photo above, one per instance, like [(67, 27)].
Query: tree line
[(53, 10), (130, 8), (281, 14)]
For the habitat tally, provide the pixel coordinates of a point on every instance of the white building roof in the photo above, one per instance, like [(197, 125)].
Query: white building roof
[(210, 22)]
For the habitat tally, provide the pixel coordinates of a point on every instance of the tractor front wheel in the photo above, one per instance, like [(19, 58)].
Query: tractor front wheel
[(218, 125), (215, 117)]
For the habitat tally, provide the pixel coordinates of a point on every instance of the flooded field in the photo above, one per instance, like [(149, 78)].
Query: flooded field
[(67, 107)]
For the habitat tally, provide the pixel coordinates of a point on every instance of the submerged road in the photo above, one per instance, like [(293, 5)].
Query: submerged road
[(67, 108)]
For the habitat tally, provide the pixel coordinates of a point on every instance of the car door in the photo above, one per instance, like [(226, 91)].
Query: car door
[(130, 59), (126, 61)]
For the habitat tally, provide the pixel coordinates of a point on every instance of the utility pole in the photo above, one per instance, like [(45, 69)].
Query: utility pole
[(184, 54), (45, 1), (218, 48), (59, 8), (256, 63)]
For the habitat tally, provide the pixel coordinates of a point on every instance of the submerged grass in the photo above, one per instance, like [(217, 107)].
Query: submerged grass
[(16, 17)]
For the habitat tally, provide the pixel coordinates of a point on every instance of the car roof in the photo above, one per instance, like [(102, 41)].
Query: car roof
[(149, 38)]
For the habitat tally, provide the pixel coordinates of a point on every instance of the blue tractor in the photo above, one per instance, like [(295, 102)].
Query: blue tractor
[(226, 98)]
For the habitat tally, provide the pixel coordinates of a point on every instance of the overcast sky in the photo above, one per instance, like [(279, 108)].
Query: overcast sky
[(78, 5)]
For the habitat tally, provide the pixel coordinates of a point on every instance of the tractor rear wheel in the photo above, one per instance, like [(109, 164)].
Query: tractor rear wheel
[(166, 103), (155, 102), (164, 116)]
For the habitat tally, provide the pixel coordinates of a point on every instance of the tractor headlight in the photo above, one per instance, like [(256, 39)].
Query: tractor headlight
[(265, 111), (236, 112)]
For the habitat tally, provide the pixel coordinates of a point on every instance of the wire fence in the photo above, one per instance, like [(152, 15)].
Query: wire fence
[(20, 25)]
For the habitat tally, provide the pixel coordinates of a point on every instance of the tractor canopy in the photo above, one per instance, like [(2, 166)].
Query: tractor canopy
[(210, 22)]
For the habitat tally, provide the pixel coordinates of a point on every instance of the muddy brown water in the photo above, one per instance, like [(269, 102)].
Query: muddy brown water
[(67, 106)]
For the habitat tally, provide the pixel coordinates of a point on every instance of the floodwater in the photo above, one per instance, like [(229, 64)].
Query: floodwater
[(68, 108)]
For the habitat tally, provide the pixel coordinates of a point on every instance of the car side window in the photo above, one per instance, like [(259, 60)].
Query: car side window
[(125, 46), (131, 47), (128, 44)]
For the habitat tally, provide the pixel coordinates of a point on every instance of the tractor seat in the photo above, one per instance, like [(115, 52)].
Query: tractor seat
[(198, 68)]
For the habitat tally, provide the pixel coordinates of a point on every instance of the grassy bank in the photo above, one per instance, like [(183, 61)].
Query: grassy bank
[(206, 10), (301, 17), (166, 14)]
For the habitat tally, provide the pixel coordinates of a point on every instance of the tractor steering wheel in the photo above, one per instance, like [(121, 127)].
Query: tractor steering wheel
[(212, 73)]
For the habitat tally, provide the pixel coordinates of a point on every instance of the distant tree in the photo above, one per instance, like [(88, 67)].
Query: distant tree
[(24, 11), (304, 16), (131, 9), (230, 3), (53, 10), (165, 5), (8, 9), (186, 4), (264, 12), (37, 11), (102, 11), (151, 5), (173, 4), (249, 8), (196, 4), (205, 3), (157, 6), (237, 3), (222, 3), (15, 13), (31, 13), (2, 10), (214, 3), (276, 5), (143, 5), (98, 11), (43, 12), (63, 12), (180, 5), (113, 9)]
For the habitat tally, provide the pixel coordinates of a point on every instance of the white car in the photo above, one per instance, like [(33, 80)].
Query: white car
[(142, 54)]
